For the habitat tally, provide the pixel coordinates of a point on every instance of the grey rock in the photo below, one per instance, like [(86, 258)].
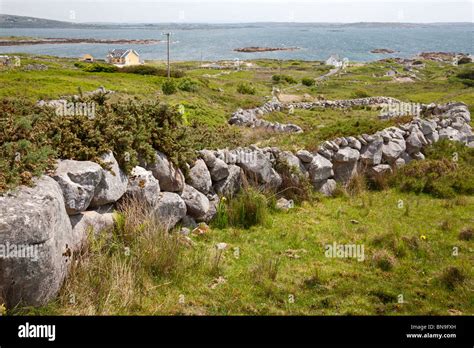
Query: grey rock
[(199, 177), (371, 154), (197, 203), (304, 156), (34, 219), (112, 185), (78, 181), (326, 187), (393, 150), (284, 204), (220, 170), (260, 170), (347, 155), (232, 184), (143, 186), (91, 221), (170, 177), (320, 169), (169, 209)]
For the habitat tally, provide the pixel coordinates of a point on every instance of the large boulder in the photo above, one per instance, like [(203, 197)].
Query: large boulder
[(199, 177), (170, 177), (232, 184), (219, 170), (345, 164), (78, 181), (371, 154), (34, 220), (212, 212), (326, 187), (304, 156), (450, 134), (197, 203), (112, 185), (143, 186), (415, 141), (90, 221), (169, 209), (260, 170), (393, 149), (320, 169)]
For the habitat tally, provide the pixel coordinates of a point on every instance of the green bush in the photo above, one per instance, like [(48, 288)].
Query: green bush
[(141, 70), (99, 67), (188, 85), (169, 87), (360, 93), (246, 88), (466, 76), (284, 78), (29, 134), (307, 81)]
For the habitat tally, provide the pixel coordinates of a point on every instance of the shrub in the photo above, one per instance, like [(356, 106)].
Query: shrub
[(307, 81), (246, 88), (100, 67), (188, 85), (284, 78), (464, 60), (466, 76), (466, 234), (32, 137), (439, 175), (169, 87), (360, 93), (141, 70)]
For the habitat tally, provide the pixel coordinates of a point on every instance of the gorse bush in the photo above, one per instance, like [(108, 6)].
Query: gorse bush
[(129, 129), (25, 150), (360, 93), (97, 67), (151, 70), (246, 88)]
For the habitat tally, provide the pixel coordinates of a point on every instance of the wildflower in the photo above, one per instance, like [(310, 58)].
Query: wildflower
[(423, 237), (3, 309)]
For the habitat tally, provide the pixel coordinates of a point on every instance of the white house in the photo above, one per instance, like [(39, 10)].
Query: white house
[(337, 62)]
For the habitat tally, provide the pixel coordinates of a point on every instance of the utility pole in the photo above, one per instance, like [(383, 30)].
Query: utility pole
[(168, 52)]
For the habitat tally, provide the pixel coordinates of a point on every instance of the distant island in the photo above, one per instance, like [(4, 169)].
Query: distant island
[(18, 41), (264, 49), (383, 51)]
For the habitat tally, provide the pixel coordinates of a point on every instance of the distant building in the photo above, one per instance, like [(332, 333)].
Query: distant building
[(337, 62), (87, 58), (10, 61), (120, 57)]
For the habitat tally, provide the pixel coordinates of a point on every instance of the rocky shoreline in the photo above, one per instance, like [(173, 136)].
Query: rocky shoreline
[(58, 213), (255, 49), (49, 41)]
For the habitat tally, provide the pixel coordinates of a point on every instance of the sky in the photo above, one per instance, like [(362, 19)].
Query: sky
[(243, 11)]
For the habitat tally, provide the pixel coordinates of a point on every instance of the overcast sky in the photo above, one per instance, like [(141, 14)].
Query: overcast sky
[(232, 11)]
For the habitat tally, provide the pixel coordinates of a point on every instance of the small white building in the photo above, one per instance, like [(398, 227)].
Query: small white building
[(337, 62)]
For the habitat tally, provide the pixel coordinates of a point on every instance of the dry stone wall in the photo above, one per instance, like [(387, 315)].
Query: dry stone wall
[(55, 215)]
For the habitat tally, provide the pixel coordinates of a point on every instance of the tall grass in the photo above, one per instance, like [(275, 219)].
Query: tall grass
[(247, 209)]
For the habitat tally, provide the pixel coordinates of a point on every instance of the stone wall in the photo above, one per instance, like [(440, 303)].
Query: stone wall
[(57, 213)]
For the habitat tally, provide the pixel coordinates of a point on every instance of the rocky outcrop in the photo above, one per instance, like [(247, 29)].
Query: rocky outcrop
[(35, 243), (197, 203)]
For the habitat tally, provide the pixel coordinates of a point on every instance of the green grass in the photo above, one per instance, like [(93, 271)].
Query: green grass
[(266, 266)]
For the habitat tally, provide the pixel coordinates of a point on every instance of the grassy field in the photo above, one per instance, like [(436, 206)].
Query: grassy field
[(417, 250), (280, 267)]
